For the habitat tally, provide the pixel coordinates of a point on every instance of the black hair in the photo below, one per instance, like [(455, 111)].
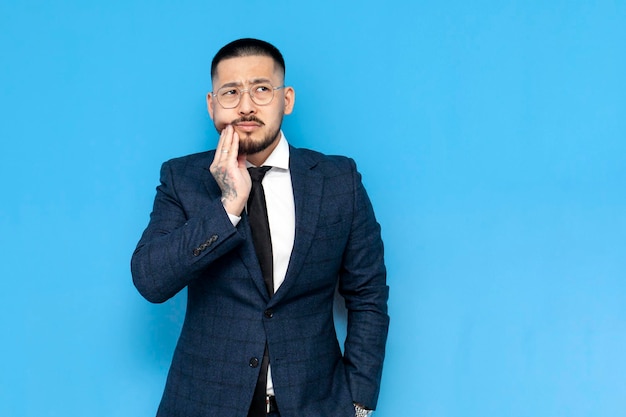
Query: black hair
[(247, 47)]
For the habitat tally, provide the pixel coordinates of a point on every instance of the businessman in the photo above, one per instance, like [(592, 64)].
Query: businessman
[(261, 234)]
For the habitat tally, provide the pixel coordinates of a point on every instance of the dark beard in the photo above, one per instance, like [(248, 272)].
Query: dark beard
[(247, 146)]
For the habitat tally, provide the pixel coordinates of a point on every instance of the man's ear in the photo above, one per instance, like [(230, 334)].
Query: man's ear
[(290, 99), (209, 104)]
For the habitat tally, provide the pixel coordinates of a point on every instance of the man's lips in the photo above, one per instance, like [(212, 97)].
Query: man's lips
[(247, 126)]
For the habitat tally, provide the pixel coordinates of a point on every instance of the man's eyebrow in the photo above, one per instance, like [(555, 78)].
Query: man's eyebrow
[(252, 81), (260, 80)]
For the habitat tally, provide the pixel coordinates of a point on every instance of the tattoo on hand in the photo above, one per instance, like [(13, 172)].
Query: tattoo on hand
[(228, 191)]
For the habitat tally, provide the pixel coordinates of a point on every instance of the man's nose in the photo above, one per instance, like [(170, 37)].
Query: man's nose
[(246, 105)]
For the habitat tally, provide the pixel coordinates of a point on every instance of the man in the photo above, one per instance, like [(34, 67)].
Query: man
[(258, 337)]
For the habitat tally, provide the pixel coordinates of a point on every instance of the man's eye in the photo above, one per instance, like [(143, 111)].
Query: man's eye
[(231, 92), (262, 89)]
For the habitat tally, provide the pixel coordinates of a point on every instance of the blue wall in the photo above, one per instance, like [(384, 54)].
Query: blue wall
[(491, 137)]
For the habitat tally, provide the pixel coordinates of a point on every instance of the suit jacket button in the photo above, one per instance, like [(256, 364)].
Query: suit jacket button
[(196, 251), (269, 314), (254, 362)]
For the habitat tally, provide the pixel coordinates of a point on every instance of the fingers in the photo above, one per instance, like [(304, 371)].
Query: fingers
[(220, 142), (234, 145), (224, 143), (227, 148)]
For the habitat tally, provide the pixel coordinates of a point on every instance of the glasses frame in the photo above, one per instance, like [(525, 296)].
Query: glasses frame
[(246, 90)]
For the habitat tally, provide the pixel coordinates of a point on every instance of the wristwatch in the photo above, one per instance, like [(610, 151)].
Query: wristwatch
[(362, 412)]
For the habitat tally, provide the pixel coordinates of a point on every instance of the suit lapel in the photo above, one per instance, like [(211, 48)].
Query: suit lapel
[(307, 186)]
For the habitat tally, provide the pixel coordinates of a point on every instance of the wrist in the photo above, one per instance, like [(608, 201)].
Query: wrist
[(232, 206)]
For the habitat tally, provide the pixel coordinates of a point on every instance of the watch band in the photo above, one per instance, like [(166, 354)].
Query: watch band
[(362, 412)]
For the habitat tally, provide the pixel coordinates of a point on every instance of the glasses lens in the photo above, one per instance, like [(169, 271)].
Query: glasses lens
[(228, 97), (262, 93)]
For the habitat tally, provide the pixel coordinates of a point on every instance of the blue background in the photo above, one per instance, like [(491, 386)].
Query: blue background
[(491, 137)]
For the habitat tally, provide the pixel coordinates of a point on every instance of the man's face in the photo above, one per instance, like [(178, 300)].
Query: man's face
[(258, 126)]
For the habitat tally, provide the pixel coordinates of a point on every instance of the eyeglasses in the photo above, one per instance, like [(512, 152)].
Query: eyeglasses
[(261, 94)]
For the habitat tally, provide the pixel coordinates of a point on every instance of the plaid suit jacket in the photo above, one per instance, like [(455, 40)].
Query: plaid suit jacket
[(190, 242)]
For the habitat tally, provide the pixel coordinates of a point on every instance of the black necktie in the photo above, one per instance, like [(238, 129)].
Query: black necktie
[(262, 240), (260, 227)]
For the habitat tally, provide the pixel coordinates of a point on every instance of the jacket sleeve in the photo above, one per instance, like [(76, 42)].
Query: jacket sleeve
[(363, 285), (177, 246)]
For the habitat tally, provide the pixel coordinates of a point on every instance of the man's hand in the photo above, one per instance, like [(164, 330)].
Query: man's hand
[(230, 173)]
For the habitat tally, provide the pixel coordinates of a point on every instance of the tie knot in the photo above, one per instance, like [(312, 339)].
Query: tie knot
[(258, 173)]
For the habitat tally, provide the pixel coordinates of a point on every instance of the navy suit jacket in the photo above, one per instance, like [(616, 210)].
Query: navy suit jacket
[(190, 242)]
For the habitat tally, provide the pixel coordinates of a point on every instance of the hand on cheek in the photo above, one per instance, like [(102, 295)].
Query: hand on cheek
[(230, 173)]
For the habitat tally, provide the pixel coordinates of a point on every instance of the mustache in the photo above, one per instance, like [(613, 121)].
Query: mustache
[(250, 118)]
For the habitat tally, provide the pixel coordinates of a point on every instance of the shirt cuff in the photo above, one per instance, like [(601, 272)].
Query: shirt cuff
[(234, 219)]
